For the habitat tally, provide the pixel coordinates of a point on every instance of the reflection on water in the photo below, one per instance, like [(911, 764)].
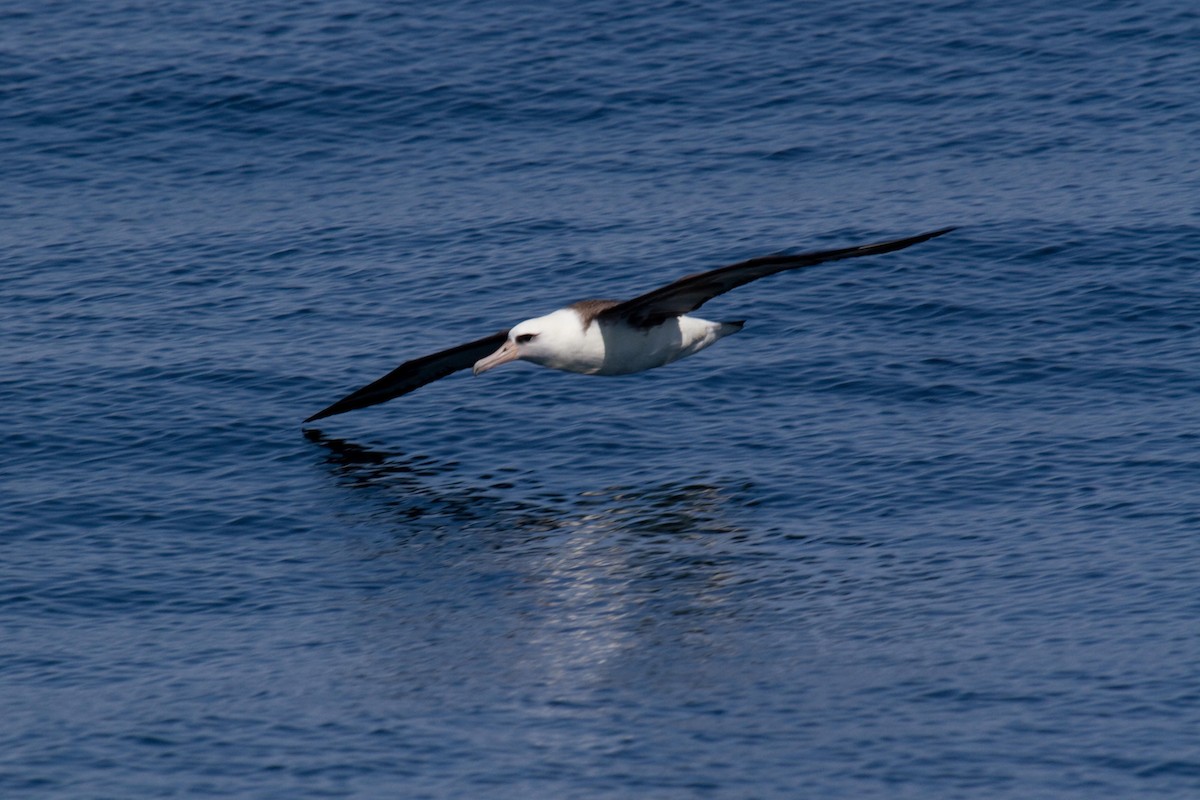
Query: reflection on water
[(587, 586), (415, 486)]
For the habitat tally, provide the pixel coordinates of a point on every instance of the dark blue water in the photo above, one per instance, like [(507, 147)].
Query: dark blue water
[(927, 528)]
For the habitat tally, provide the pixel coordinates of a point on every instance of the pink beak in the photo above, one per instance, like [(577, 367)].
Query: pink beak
[(507, 352)]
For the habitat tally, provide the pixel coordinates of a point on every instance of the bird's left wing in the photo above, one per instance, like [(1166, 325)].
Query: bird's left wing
[(688, 294), (414, 374)]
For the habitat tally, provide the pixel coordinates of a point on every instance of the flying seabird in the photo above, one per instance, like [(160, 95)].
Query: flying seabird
[(607, 337)]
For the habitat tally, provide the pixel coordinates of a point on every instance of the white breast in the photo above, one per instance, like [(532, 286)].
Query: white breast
[(616, 348)]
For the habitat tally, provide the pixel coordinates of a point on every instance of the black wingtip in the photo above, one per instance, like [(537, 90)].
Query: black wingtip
[(939, 232), (920, 237), (893, 245), (323, 413), (340, 407)]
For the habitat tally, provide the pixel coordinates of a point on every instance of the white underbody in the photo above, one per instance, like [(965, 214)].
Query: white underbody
[(616, 348)]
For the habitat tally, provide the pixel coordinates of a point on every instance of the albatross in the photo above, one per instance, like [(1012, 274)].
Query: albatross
[(607, 337)]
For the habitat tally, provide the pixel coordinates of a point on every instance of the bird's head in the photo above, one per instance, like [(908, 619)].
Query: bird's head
[(522, 343)]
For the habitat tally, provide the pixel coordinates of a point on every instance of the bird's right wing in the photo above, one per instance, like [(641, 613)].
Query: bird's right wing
[(414, 374), (688, 294)]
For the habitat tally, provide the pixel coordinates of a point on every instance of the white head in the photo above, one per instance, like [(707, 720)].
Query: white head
[(547, 340)]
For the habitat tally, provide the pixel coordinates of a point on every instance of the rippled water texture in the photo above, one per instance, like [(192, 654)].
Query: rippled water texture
[(926, 528)]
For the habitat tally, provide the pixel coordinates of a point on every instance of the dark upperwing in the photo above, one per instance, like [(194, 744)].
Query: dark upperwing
[(414, 374), (688, 294), (682, 296)]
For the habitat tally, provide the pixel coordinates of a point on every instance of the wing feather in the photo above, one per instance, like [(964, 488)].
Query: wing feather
[(414, 374), (689, 293)]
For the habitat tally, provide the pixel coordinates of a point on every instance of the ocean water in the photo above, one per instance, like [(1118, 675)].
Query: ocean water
[(928, 527)]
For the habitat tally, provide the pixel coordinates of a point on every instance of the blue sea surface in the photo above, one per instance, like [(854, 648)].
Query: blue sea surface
[(929, 527)]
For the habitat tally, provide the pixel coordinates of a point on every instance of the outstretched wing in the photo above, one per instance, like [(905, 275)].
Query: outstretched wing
[(414, 374), (688, 294)]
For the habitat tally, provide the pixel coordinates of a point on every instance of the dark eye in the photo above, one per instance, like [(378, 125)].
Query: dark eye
[(525, 337)]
